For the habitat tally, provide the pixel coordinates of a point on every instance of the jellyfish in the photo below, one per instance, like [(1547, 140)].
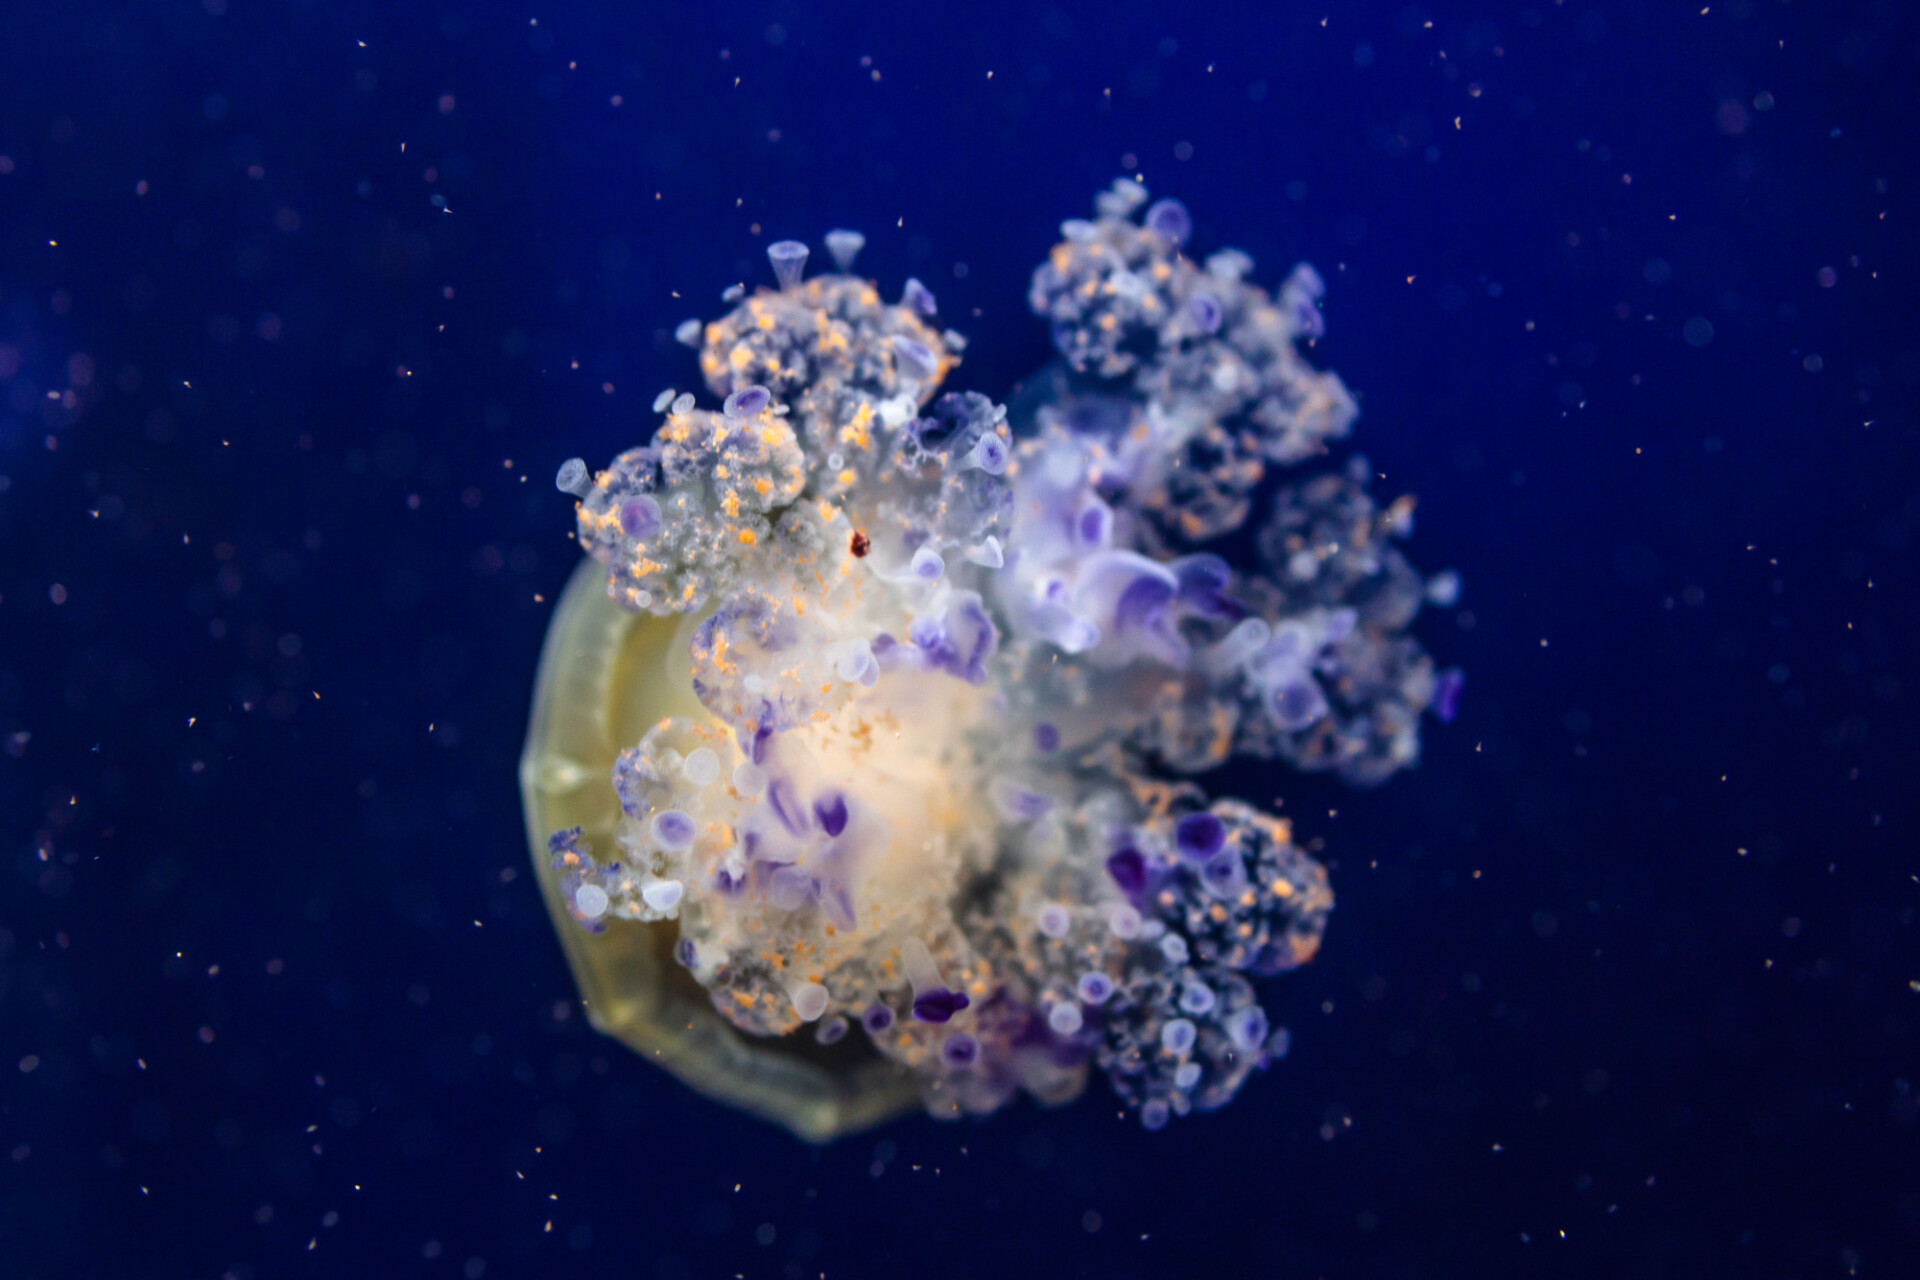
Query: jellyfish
[(862, 766)]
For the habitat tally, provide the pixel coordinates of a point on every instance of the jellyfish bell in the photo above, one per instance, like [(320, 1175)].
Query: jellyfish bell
[(605, 675), (857, 771)]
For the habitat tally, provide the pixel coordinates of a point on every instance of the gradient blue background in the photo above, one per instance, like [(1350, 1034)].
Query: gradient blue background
[(351, 279)]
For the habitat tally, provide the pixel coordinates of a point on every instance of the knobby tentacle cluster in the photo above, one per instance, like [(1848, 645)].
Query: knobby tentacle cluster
[(954, 672)]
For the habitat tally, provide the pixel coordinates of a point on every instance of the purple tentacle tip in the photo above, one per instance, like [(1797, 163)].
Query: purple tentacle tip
[(1199, 836), (1128, 869), (1446, 693), (939, 1005)]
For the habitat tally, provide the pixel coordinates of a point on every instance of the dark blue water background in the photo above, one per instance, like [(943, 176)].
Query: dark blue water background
[(301, 304)]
